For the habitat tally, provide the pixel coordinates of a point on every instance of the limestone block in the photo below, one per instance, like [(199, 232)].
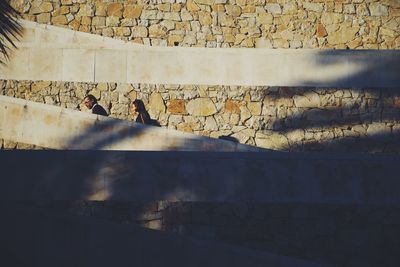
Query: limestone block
[(378, 130), (349, 9), (331, 18), (388, 32), (78, 65), (273, 8), (263, 42), (232, 107), (87, 21), (316, 7), (343, 35), (205, 18), (156, 103), (377, 9), (310, 100), (321, 31), (184, 127), (176, 7), (245, 113), (264, 19), (205, 2), (362, 10), (175, 16), (254, 108), (101, 8), (201, 107), (226, 20), (210, 124), (233, 10), (177, 106), (113, 21), (110, 66), (241, 137), (99, 21), (75, 24), (43, 18), (39, 86), (157, 31), (165, 7), (249, 132), (295, 136), (60, 20), (149, 14), (272, 140), (132, 12), (139, 31), (186, 16), (115, 9), (192, 6)]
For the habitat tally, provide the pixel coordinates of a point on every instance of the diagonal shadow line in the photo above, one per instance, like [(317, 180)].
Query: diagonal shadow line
[(106, 132)]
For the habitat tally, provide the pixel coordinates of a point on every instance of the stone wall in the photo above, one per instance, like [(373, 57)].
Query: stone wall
[(281, 118), (354, 24)]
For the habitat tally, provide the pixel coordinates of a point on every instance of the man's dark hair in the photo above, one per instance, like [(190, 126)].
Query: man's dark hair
[(91, 98)]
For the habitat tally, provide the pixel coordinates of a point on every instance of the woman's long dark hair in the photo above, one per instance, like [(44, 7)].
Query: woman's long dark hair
[(139, 105), (143, 116)]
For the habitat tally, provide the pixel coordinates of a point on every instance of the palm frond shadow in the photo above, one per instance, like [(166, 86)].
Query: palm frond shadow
[(10, 30)]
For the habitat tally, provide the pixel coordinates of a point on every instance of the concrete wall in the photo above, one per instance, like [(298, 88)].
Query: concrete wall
[(55, 54), (59, 128), (331, 208), (207, 176), (350, 24), (36, 237)]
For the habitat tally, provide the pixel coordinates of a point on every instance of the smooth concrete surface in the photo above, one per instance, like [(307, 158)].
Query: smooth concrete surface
[(200, 176), (118, 61), (60, 128), (35, 237)]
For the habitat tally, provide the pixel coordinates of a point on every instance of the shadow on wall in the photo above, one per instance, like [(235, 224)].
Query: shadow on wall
[(367, 119), (364, 70)]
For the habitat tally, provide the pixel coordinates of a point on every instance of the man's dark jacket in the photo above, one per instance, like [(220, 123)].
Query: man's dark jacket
[(99, 110)]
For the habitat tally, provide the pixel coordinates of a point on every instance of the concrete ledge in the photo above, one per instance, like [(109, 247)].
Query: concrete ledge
[(132, 63), (59, 128)]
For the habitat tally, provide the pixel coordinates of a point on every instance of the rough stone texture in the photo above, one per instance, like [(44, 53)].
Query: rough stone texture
[(290, 119), (361, 24)]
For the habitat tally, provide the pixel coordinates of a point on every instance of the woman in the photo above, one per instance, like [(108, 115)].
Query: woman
[(137, 108)]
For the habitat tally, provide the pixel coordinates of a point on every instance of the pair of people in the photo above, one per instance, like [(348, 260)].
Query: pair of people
[(137, 108)]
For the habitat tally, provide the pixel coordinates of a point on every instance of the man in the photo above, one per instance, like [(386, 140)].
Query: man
[(91, 103)]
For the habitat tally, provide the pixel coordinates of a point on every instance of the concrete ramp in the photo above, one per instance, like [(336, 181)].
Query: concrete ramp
[(60, 128), (57, 54)]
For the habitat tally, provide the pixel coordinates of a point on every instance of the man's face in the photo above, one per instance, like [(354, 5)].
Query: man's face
[(88, 103)]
